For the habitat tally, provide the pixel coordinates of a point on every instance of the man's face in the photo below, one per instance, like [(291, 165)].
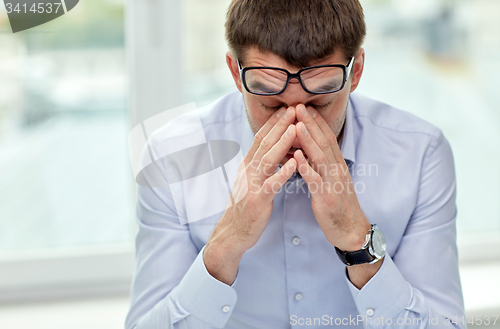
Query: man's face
[(331, 106)]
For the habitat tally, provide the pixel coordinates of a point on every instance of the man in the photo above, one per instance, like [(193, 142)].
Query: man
[(299, 246)]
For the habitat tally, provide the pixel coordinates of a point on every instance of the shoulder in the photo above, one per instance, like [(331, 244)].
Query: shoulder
[(226, 109), (375, 117), (212, 121)]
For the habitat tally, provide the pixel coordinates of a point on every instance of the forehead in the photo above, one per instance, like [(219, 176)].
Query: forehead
[(256, 57)]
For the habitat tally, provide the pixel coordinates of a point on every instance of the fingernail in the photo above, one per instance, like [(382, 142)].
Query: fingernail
[(303, 110), (289, 131), (288, 114), (313, 113), (279, 113), (301, 156), (304, 130)]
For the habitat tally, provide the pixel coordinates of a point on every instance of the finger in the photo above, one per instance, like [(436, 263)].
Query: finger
[(329, 134), (317, 157), (275, 134), (317, 134), (262, 133), (272, 184), (311, 177), (269, 162)]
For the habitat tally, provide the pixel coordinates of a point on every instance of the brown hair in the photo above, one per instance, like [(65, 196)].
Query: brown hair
[(299, 31)]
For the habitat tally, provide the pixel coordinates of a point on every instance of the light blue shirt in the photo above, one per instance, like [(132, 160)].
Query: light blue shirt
[(403, 171)]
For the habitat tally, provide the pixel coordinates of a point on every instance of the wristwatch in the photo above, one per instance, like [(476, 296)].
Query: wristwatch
[(372, 251)]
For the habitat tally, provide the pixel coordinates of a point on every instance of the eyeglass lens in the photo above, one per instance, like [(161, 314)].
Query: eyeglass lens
[(315, 80)]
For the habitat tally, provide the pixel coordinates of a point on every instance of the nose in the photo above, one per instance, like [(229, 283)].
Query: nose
[(294, 95)]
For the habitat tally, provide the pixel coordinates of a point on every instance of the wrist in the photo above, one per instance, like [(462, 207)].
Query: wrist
[(356, 239), (222, 258), (222, 249), (371, 252), (360, 274)]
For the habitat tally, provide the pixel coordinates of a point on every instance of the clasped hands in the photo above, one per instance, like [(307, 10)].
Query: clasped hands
[(333, 200)]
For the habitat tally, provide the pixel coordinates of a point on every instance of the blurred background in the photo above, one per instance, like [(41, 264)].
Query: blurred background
[(72, 89)]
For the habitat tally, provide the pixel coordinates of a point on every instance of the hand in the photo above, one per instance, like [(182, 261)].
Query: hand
[(333, 200), (256, 184)]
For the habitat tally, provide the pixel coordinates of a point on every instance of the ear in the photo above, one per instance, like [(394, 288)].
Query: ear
[(233, 67), (359, 65)]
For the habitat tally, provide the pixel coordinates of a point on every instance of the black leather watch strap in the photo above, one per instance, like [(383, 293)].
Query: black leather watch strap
[(354, 257)]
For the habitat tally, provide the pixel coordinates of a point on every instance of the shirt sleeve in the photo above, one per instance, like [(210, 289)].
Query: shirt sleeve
[(172, 288), (419, 286)]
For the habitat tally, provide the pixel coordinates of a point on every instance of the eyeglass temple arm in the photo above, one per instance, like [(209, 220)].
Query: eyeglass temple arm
[(240, 71), (349, 68)]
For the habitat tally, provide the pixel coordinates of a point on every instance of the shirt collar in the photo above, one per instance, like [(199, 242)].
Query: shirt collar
[(247, 134), (346, 144)]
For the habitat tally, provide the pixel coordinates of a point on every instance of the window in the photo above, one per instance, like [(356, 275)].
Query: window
[(65, 185), (436, 59)]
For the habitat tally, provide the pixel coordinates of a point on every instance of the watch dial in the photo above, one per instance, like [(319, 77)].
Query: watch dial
[(378, 243)]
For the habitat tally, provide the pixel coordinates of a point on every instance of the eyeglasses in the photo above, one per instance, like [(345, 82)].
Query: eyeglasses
[(321, 79)]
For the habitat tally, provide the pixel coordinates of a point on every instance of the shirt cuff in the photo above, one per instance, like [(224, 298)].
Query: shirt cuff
[(386, 294), (205, 297)]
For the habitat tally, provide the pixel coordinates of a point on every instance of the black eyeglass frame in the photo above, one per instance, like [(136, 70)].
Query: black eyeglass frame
[(346, 69)]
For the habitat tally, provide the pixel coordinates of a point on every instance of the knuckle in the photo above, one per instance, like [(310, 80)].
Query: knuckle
[(281, 143), (323, 143), (258, 137), (330, 202), (332, 138), (316, 178), (265, 161), (251, 202), (282, 125), (266, 186), (254, 164), (265, 143), (320, 158), (247, 159)]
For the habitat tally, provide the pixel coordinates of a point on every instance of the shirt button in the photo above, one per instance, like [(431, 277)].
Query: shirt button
[(296, 241), (370, 311), (226, 308), (298, 296)]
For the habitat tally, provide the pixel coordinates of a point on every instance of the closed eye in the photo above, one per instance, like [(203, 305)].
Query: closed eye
[(316, 107), (269, 108), (320, 107)]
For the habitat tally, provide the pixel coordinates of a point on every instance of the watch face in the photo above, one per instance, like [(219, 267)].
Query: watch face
[(378, 243)]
